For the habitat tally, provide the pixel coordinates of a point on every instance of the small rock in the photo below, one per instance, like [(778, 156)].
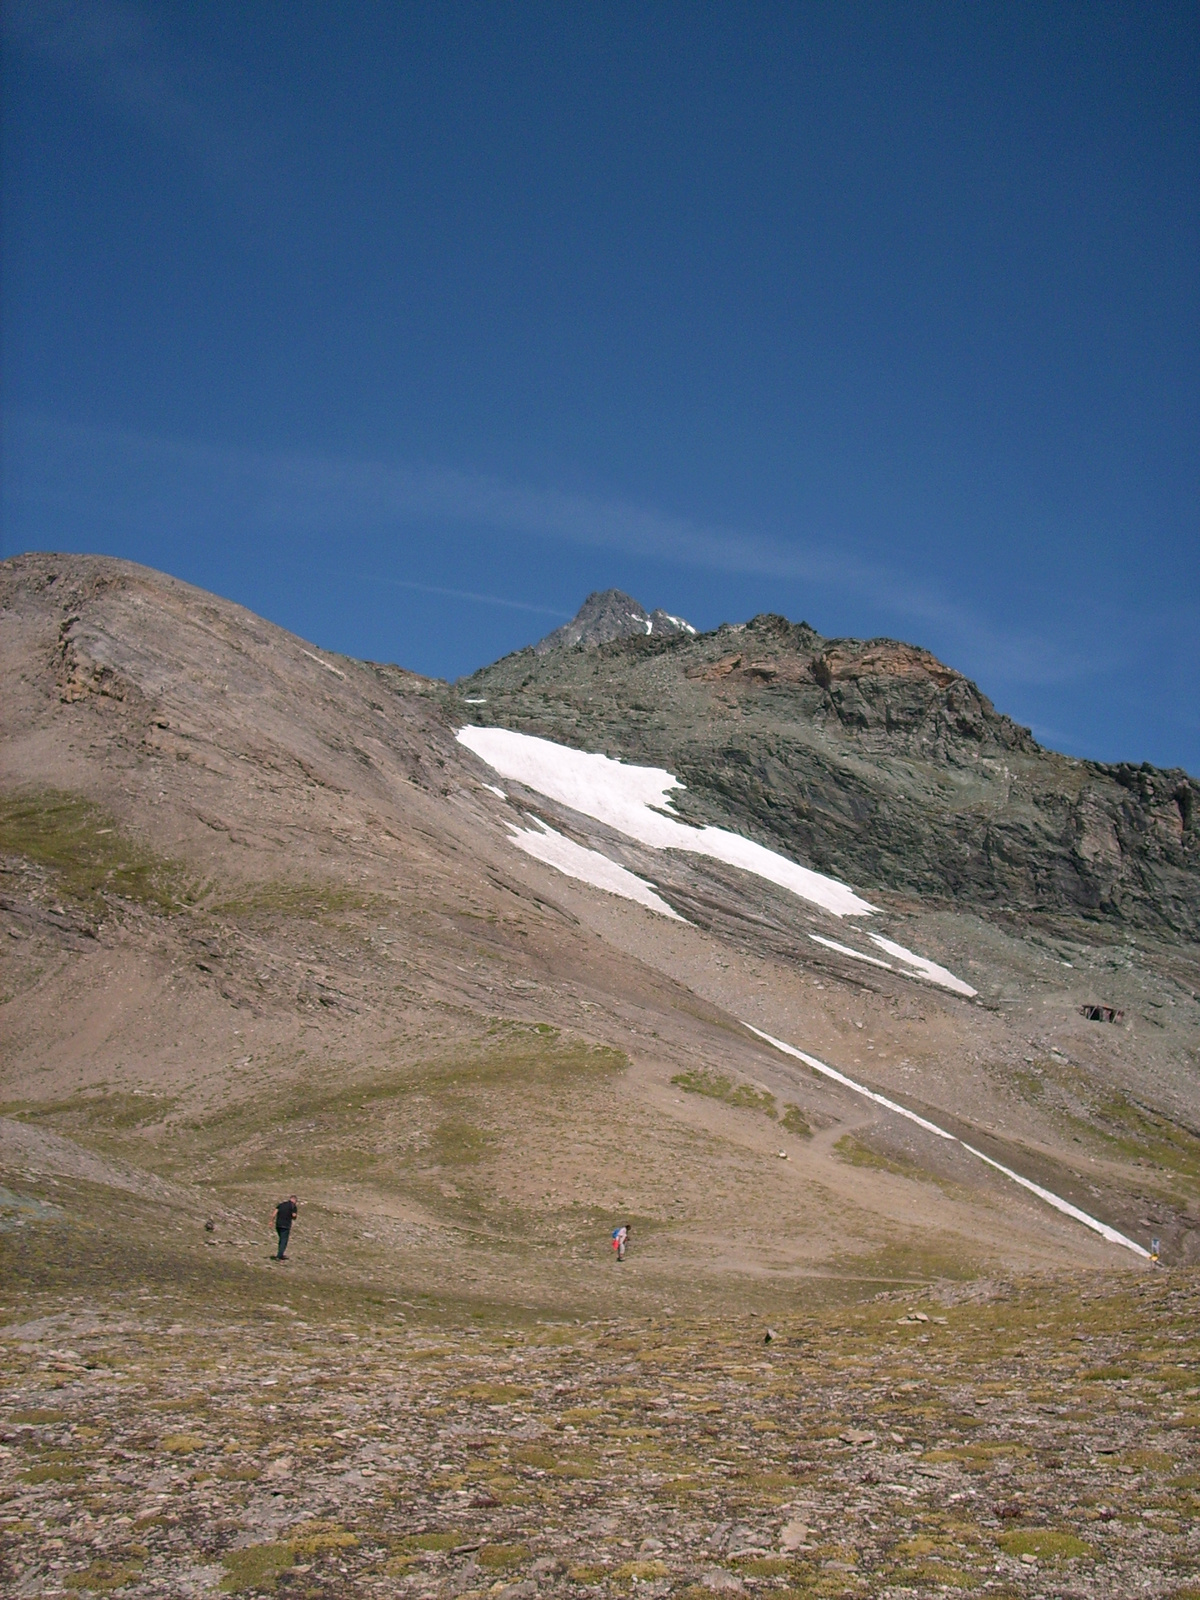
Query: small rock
[(794, 1534), (720, 1581), (770, 1336)]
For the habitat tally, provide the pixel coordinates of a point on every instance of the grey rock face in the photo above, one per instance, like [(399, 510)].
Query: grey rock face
[(868, 759), (610, 614)]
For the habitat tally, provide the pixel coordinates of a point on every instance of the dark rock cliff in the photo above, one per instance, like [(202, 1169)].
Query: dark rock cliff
[(872, 760)]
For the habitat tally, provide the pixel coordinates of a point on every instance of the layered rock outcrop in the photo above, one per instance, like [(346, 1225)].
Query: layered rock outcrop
[(868, 759)]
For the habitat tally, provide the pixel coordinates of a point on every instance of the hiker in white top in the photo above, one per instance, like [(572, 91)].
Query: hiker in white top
[(619, 1238)]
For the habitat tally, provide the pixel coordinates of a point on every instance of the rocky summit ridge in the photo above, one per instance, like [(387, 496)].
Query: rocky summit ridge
[(869, 759), (609, 614)]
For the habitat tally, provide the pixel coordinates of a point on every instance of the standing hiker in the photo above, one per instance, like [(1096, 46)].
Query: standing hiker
[(285, 1215), (620, 1236)]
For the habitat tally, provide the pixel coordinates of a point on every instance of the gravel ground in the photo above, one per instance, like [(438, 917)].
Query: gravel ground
[(1022, 1438)]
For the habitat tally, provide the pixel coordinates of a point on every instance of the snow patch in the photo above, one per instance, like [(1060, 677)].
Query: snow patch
[(588, 866), (635, 801), (845, 950), (929, 970), (328, 665), (1059, 1204), (495, 790), (924, 969)]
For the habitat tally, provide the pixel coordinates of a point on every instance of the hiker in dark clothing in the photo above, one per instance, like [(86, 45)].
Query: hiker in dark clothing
[(285, 1215)]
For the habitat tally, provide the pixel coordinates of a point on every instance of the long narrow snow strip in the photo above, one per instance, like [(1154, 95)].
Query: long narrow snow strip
[(845, 950), (1065, 1206), (636, 802), (849, 1083), (589, 866), (328, 665), (926, 969)]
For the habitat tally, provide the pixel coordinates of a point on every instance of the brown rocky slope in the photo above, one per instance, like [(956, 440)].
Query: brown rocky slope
[(266, 928)]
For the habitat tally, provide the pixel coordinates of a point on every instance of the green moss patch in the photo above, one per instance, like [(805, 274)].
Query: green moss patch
[(494, 1556), (53, 1472), (1048, 1544), (259, 1566), (103, 1576), (642, 1571), (256, 1567), (715, 1086), (859, 1154), (88, 855), (431, 1541), (794, 1120)]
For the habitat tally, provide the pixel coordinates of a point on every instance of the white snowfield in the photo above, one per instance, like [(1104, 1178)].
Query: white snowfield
[(589, 866), (925, 969), (1059, 1204), (635, 801), (845, 950), (929, 970)]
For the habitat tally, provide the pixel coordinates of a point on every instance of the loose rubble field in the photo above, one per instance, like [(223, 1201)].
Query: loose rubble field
[(1020, 1439)]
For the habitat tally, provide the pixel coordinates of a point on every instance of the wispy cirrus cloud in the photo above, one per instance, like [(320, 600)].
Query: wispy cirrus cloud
[(471, 596), (59, 473), (126, 58)]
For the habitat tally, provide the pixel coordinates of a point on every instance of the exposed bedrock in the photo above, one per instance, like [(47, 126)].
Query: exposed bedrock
[(869, 759)]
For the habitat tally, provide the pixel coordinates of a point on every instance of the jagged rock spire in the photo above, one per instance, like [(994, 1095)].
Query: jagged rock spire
[(610, 614)]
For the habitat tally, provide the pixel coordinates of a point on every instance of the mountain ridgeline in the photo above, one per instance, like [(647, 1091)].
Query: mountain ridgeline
[(609, 614), (867, 759), (268, 924)]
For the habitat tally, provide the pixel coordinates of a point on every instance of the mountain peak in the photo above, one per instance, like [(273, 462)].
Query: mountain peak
[(610, 614)]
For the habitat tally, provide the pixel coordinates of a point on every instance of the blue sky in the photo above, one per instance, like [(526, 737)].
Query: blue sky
[(408, 325)]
